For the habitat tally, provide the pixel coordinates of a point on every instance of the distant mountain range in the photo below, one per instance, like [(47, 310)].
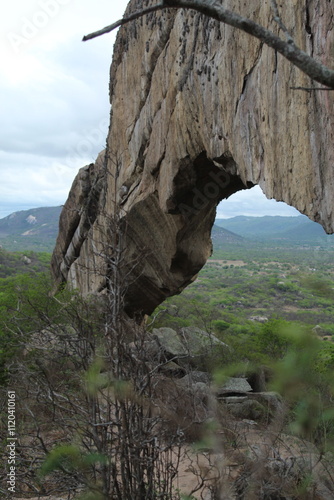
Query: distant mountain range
[(282, 230), (35, 229)]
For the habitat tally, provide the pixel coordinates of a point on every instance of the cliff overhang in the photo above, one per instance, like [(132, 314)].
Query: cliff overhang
[(198, 112)]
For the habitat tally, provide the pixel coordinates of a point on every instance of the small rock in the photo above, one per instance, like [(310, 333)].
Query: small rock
[(317, 330), (26, 260), (235, 384), (260, 319)]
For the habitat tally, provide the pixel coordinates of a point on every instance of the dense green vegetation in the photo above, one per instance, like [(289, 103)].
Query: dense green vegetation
[(273, 307), (243, 287), (15, 263), (35, 243), (24, 283)]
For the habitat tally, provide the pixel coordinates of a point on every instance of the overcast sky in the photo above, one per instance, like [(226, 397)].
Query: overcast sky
[(54, 103)]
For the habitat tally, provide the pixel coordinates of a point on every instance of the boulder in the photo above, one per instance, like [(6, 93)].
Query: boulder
[(149, 351), (246, 409), (318, 330), (190, 347), (270, 400), (252, 406), (195, 376), (169, 341), (234, 385), (199, 342)]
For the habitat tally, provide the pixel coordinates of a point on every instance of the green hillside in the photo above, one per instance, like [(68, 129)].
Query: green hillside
[(307, 230), (35, 229), (295, 230), (16, 263), (220, 235)]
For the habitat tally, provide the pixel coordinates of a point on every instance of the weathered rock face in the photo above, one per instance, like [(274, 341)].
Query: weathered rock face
[(199, 111)]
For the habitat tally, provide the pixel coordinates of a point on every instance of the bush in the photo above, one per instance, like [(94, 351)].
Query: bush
[(272, 339), (24, 300), (220, 326)]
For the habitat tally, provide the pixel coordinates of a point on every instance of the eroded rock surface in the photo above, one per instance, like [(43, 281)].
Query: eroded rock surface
[(199, 111)]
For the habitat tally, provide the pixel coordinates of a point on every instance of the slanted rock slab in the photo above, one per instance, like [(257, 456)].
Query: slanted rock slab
[(234, 385)]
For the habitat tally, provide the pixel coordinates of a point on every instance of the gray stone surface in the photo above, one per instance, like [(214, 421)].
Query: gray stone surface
[(198, 341), (172, 369), (235, 384), (195, 376), (190, 346), (247, 409), (170, 342)]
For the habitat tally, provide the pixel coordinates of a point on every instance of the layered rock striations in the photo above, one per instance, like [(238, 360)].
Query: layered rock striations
[(198, 112)]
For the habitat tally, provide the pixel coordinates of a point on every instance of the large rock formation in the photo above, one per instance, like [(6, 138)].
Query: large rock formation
[(199, 111)]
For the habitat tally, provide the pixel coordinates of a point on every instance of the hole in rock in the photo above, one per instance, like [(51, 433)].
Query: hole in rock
[(253, 203), (201, 183), (248, 308)]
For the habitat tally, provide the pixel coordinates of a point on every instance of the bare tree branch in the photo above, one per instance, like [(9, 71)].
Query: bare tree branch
[(310, 89), (211, 8), (278, 20), (123, 21)]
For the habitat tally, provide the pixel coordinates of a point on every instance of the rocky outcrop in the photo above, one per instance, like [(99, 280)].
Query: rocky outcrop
[(199, 111), (190, 346)]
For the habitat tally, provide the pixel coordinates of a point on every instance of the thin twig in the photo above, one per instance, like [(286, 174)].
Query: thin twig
[(125, 20), (309, 89), (278, 20)]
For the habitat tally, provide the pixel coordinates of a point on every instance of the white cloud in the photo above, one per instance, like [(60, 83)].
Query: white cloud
[(252, 202), (54, 96), (54, 99), (35, 180)]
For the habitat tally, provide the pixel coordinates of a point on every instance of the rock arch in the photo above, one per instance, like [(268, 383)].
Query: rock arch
[(199, 111)]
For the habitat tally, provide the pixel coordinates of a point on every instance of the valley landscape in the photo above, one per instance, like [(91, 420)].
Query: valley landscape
[(269, 276), (148, 350), (262, 293)]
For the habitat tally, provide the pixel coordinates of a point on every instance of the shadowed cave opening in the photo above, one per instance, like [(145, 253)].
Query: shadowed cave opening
[(183, 246), (202, 183), (180, 240)]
